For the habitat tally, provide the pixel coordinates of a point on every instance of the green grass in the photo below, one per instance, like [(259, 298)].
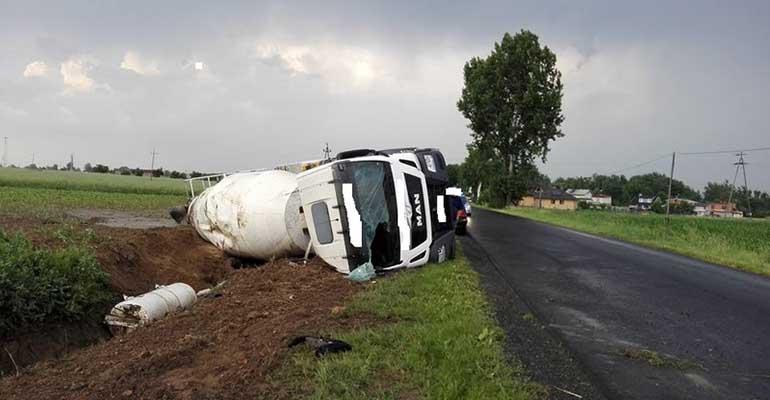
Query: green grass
[(52, 202), (39, 285), (739, 243), (49, 193), (436, 340), (109, 183)]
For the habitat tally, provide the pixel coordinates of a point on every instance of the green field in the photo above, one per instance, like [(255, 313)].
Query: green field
[(30, 192), (109, 183), (50, 202), (739, 243), (437, 341)]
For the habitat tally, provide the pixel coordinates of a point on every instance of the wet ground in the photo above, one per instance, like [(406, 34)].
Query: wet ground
[(118, 219), (645, 324)]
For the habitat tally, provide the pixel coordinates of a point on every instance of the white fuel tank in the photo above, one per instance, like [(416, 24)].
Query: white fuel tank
[(255, 215), (149, 307)]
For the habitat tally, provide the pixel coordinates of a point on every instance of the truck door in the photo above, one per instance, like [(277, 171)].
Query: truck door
[(417, 216)]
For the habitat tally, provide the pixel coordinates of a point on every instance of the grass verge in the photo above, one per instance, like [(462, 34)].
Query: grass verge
[(437, 340), (741, 244)]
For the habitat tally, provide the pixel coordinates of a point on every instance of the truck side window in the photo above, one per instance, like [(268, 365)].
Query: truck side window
[(322, 223)]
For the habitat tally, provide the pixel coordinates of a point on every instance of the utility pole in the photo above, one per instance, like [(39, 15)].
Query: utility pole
[(72, 162), (327, 152), (670, 182), (152, 166), (540, 197), (4, 161), (741, 165), (746, 185)]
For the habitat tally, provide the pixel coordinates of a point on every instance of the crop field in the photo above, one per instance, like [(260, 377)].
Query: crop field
[(739, 243), (47, 193), (110, 183)]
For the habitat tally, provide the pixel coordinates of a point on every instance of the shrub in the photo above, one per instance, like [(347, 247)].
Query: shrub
[(40, 285)]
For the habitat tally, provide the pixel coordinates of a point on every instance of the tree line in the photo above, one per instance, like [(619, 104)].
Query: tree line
[(124, 170), (624, 190)]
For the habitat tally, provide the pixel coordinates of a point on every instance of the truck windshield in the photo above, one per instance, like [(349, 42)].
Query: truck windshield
[(375, 198)]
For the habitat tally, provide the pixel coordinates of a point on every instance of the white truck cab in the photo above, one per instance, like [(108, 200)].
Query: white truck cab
[(372, 208)]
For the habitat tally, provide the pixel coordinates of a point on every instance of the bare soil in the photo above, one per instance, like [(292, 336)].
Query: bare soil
[(136, 260), (121, 219), (224, 348)]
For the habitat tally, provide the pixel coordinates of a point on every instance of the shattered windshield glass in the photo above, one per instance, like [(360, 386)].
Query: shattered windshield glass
[(374, 196)]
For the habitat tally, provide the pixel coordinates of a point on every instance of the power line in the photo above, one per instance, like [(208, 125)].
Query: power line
[(640, 165), (688, 153), (725, 151)]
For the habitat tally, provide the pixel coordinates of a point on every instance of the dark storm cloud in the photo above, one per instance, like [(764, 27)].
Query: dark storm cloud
[(278, 80)]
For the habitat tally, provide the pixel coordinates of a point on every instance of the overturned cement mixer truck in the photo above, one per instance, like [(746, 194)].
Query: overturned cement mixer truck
[(383, 209)]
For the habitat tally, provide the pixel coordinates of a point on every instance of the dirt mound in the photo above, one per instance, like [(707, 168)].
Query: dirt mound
[(224, 348), (137, 260)]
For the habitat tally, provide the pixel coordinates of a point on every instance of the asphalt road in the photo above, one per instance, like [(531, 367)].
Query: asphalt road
[(705, 328)]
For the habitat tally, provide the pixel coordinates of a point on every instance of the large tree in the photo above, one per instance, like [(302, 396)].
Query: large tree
[(512, 99), (478, 170)]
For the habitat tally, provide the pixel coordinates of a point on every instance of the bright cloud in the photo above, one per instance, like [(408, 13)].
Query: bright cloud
[(132, 61), (35, 69), (293, 58), (74, 72), (340, 65)]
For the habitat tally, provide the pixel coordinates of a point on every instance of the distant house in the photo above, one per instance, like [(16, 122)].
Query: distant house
[(551, 198), (601, 199), (697, 208), (723, 210), (643, 203), (679, 200), (585, 195), (581, 194)]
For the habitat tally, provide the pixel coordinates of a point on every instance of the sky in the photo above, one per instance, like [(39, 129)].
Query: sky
[(223, 86)]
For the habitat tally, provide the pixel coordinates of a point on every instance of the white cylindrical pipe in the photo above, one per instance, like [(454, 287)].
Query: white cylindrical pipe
[(151, 306), (255, 215)]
